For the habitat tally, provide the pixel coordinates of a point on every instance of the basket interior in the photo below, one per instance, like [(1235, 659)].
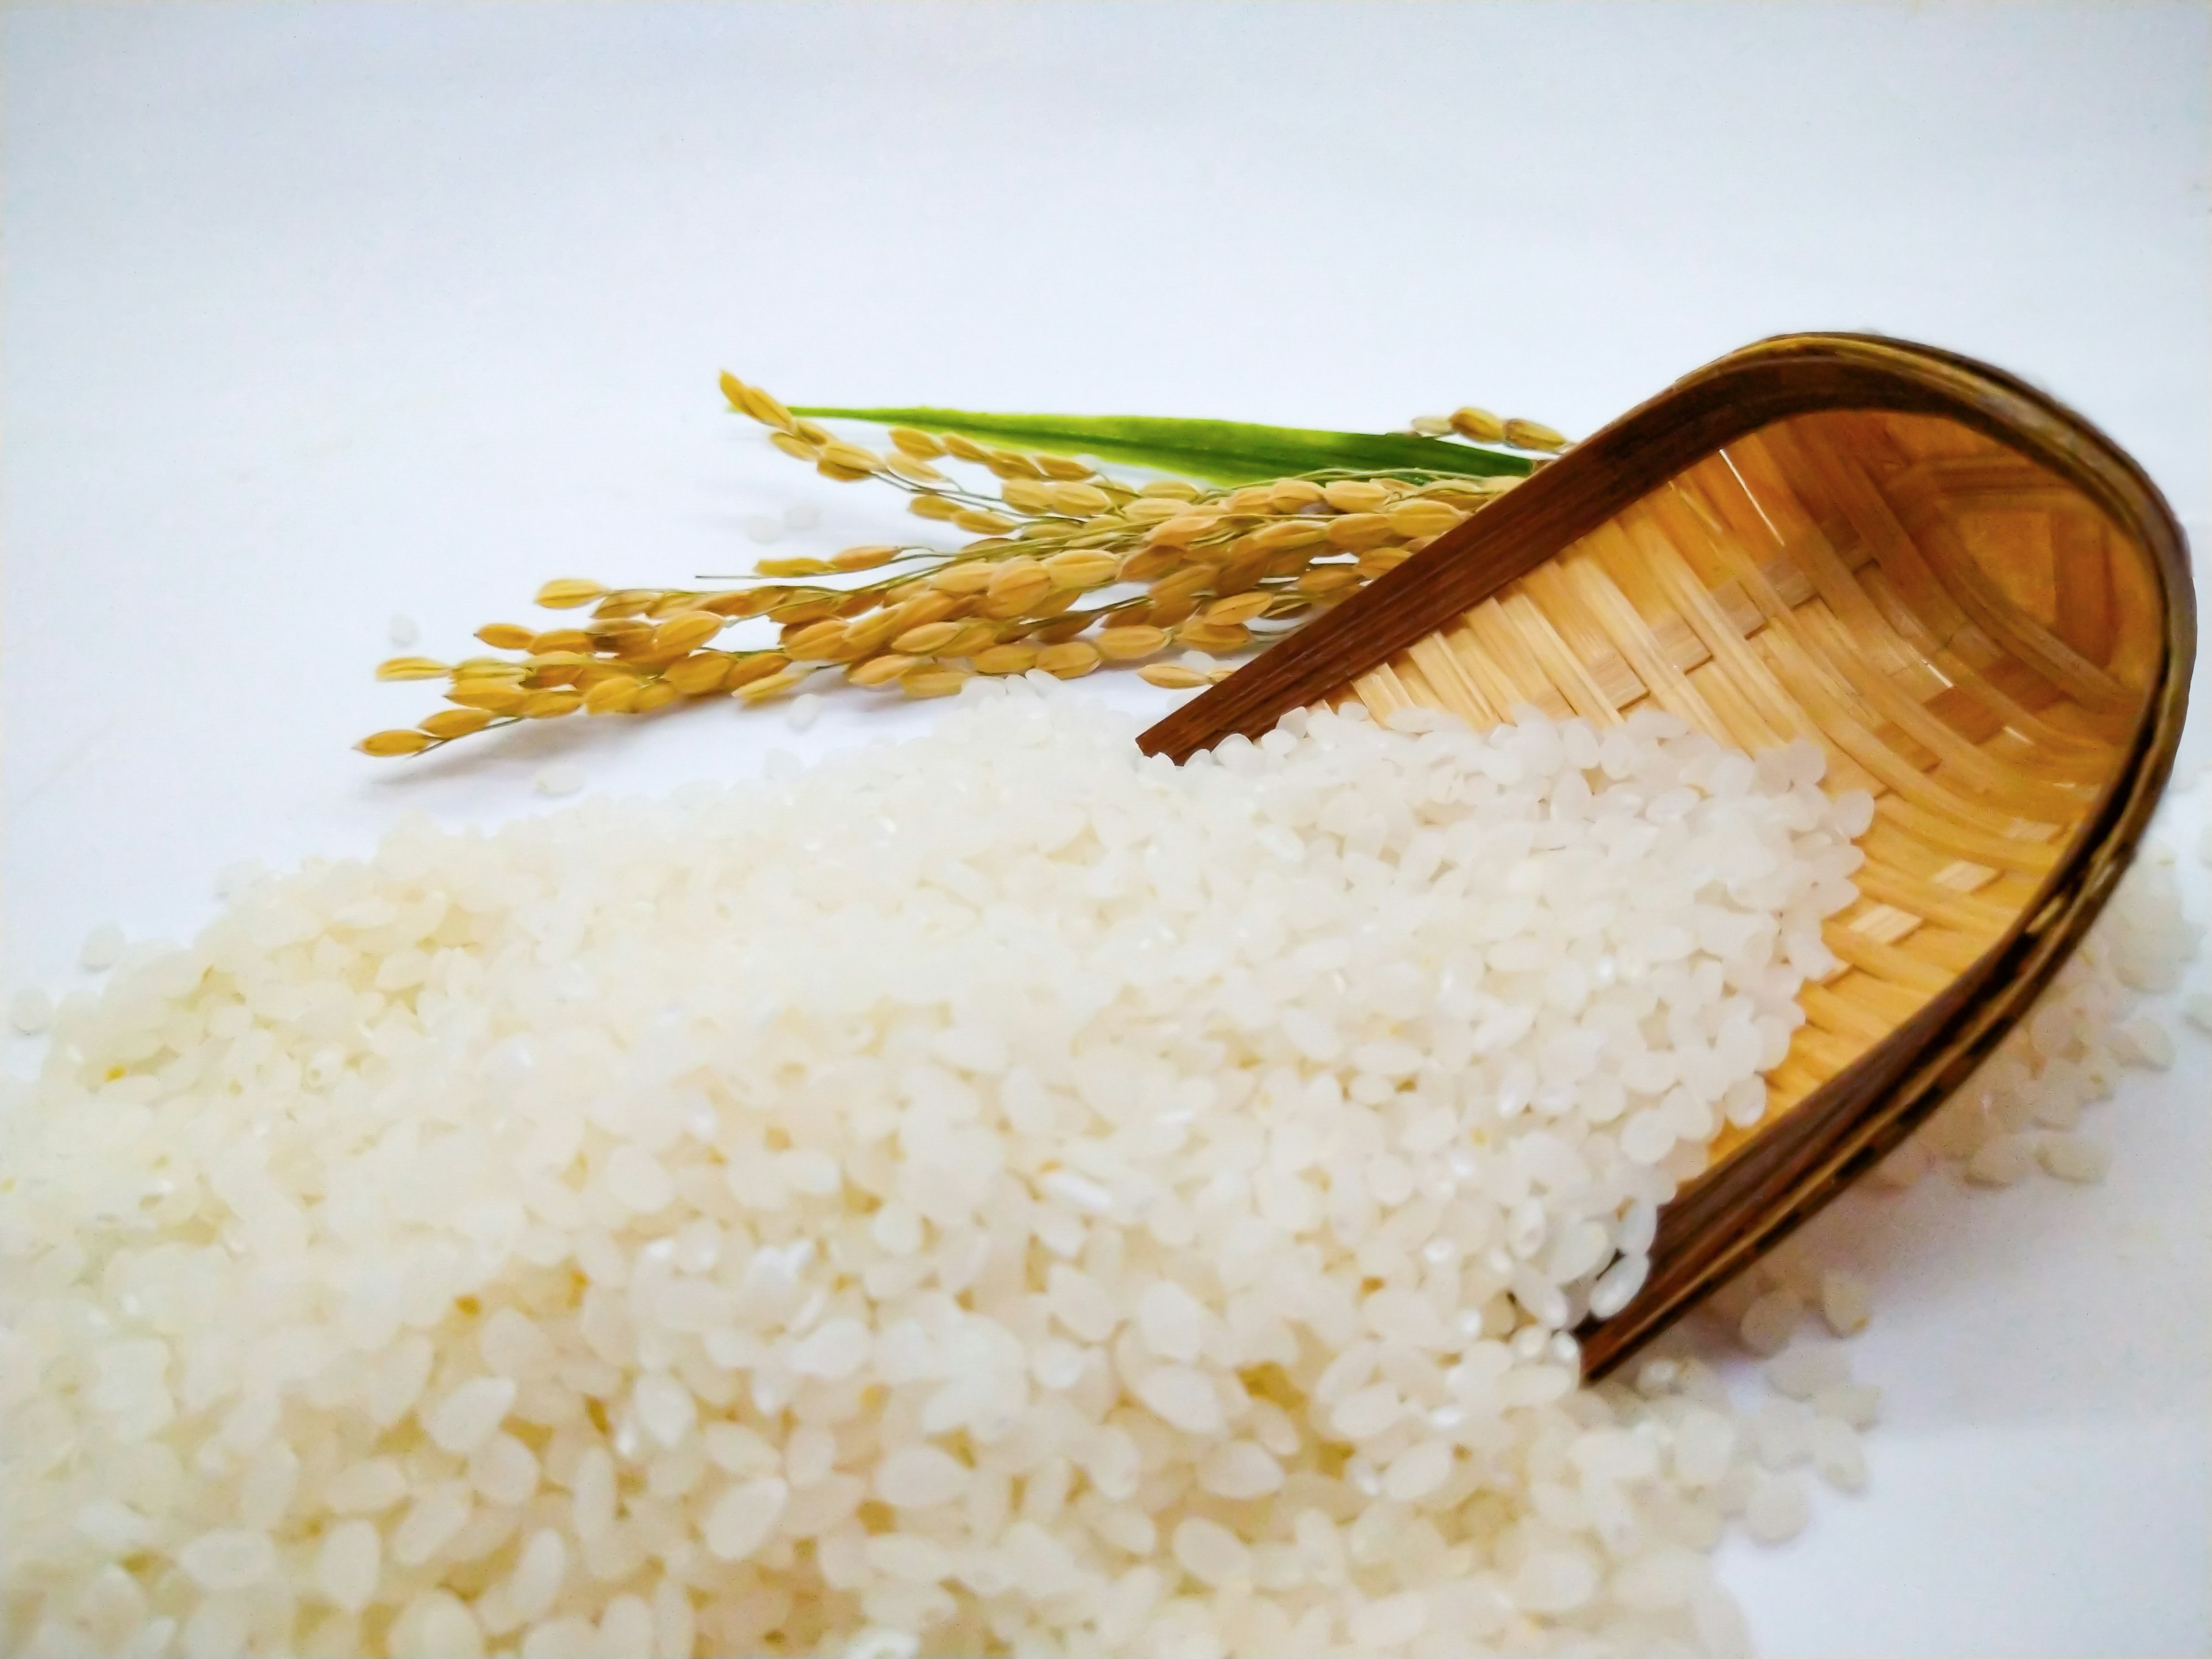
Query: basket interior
[(1967, 637)]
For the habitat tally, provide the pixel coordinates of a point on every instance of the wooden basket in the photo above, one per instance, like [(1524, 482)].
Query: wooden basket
[(1970, 598)]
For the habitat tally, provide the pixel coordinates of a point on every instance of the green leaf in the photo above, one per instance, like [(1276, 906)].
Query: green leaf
[(1216, 451)]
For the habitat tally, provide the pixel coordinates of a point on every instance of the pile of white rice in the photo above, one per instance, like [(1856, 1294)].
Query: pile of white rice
[(994, 1193)]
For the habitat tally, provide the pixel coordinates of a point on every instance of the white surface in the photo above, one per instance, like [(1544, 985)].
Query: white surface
[(315, 313)]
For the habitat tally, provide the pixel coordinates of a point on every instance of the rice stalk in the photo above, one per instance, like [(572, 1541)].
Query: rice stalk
[(1068, 567)]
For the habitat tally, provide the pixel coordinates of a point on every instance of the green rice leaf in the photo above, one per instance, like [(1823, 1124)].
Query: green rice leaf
[(1215, 452)]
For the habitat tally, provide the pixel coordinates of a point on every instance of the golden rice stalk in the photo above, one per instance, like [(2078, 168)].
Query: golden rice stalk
[(567, 593), (880, 670), (748, 602), (816, 641), (1167, 613), (1014, 587), (1173, 675), (1185, 584), (685, 631), (962, 580), (752, 400), (1054, 604), (1182, 529), (1356, 532), (927, 639), (1024, 496), (1423, 517), (767, 662), (1077, 501), (1149, 564), (770, 685), (972, 637), (866, 637), (1013, 658), (1356, 495), (387, 744), (1166, 561), (1287, 533), (695, 675), (1533, 435), (497, 696), (926, 604), (412, 668), (933, 680), (1070, 659), (1127, 644), (802, 610), (907, 466), (1061, 629), (450, 723), (1214, 636), (1012, 463), (1328, 579), (617, 696), (1478, 425), (1084, 567), (1237, 608)]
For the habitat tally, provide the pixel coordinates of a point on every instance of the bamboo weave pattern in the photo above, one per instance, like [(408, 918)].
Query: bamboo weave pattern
[(1965, 636)]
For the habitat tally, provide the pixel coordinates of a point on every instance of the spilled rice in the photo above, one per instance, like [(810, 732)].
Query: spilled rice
[(994, 1193)]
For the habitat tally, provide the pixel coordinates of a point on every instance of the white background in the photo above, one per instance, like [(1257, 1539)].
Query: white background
[(315, 312)]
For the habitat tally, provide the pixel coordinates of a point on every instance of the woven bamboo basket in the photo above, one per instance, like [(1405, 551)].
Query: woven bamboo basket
[(1975, 603)]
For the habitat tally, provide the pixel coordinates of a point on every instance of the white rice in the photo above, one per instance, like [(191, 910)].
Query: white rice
[(102, 949), (994, 1193), (2025, 1104)]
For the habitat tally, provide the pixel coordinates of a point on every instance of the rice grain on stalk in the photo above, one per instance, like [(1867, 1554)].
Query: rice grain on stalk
[(1067, 567)]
